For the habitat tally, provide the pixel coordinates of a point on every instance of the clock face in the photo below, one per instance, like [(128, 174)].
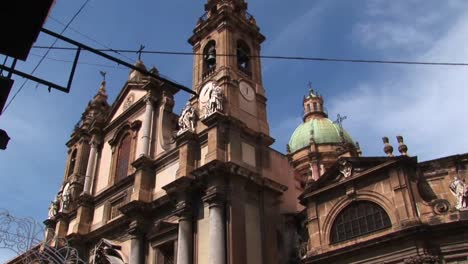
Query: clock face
[(247, 91), (204, 95)]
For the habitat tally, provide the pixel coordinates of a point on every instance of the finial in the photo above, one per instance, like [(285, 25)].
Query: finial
[(402, 148), (311, 89), (140, 50), (102, 88), (103, 74), (358, 149), (388, 149)]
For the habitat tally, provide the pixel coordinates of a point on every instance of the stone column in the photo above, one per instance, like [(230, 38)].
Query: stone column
[(144, 142), (217, 230), (90, 168), (136, 249), (185, 239), (137, 232)]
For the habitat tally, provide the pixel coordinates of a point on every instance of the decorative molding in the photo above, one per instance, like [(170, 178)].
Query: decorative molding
[(422, 259)]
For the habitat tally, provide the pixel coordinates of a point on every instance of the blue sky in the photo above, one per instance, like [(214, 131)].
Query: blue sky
[(425, 104)]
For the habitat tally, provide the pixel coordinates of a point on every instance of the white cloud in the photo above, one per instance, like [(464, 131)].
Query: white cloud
[(410, 25), (426, 104)]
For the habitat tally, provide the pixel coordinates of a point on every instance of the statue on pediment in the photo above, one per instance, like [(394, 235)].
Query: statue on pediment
[(187, 119), (346, 168), (460, 190), (54, 208)]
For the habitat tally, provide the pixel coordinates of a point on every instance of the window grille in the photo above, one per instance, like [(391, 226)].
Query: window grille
[(358, 219)]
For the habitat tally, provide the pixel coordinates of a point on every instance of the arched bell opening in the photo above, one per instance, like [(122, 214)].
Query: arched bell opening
[(244, 57), (209, 58)]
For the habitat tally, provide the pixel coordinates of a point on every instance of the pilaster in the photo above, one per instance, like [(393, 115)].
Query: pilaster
[(84, 214), (188, 149), (216, 137), (144, 180)]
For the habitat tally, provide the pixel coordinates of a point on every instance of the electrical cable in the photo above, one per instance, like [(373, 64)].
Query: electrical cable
[(88, 37), (323, 59), (46, 53), (82, 63)]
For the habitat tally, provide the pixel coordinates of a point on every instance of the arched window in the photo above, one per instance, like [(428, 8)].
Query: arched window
[(123, 158), (358, 219), (243, 57), (315, 107), (209, 58), (71, 165)]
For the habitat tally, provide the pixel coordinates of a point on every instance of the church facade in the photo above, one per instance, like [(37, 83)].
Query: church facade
[(143, 184)]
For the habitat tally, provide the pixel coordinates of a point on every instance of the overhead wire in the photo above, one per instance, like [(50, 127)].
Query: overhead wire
[(82, 63), (89, 37), (46, 53), (323, 59)]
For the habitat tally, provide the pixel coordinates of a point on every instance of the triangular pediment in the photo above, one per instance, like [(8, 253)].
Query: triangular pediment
[(348, 169), (128, 97)]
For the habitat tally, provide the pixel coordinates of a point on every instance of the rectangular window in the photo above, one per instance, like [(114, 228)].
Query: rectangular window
[(165, 253), (114, 208)]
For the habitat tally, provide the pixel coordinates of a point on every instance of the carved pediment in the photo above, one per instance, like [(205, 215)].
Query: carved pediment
[(128, 97)]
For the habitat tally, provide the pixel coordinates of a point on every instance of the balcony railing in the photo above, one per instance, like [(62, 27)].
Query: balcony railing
[(249, 17)]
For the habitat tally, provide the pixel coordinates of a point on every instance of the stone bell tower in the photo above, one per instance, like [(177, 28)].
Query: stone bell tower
[(227, 42), (227, 183)]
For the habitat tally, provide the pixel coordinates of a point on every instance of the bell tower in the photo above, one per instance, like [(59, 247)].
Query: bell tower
[(226, 41)]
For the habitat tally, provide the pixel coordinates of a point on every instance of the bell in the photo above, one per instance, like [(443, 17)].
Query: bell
[(211, 56)]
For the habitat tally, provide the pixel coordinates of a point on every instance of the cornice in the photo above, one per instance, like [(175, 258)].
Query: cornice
[(116, 188)]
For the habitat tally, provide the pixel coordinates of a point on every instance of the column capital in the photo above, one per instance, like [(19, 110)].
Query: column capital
[(150, 99), (184, 210), (142, 162), (214, 196), (137, 228), (85, 200)]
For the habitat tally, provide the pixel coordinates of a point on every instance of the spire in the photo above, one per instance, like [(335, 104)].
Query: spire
[(101, 96), (98, 108)]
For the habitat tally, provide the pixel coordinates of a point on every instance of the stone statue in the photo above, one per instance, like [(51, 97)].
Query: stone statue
[(215, 103), (460, 190), (346, 168), (54, 208), (187, 119), (66, 196)]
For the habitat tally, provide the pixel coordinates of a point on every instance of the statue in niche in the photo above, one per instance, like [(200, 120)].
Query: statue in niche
[(460, 190), (215, 103), (187, 119), (54, 208)]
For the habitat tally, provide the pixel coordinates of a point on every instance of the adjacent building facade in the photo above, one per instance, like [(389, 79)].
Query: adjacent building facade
[(143, 184)]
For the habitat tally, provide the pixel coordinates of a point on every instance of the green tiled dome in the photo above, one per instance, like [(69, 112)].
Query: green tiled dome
[(325, 131)]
